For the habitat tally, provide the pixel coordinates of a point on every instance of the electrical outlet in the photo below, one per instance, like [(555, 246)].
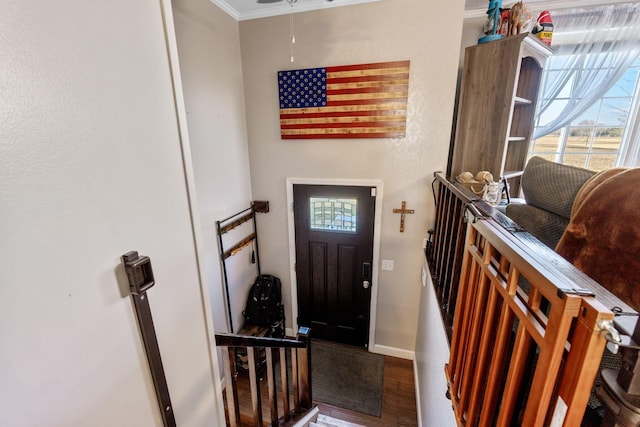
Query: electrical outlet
[(387, 264)]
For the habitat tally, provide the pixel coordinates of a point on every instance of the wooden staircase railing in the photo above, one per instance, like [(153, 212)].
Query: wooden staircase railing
[(524, 352), (525, 326), (261, 361), (444, 252)]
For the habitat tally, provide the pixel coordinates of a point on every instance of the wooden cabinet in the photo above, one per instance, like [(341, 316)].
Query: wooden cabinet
[(500, 83)]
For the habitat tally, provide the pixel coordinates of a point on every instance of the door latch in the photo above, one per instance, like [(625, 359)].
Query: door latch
[(366, 275)]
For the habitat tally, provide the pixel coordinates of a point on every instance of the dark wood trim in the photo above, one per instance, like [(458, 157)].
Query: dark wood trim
[(260, 206), (234, 340)]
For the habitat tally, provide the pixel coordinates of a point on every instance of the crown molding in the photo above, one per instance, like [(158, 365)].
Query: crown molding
[(282, 8), (222, 4)]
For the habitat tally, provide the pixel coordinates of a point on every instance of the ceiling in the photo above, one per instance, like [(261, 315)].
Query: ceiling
[(243, 10)]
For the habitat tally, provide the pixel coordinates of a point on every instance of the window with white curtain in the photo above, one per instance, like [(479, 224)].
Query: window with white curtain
[(587, 111), (594, 139)]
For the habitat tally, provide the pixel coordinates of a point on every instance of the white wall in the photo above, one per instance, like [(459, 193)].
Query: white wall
[(426, 33), (209, 52), (91, 167), (432, 353)]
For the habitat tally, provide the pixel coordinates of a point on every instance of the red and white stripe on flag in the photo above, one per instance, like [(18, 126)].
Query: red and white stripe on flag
[(352, 101)]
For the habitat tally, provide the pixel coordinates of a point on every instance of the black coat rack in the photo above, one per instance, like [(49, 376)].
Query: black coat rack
[(226, 225)]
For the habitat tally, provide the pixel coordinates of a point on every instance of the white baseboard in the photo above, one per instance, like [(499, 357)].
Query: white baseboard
[(392, 351), (415, 382), (378, 349)]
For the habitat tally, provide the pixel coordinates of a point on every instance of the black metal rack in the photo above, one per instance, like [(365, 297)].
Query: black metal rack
[(226, 225)]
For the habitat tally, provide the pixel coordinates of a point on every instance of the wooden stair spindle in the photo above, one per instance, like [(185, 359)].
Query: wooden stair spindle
[(285, 384), (273, 398), (294, 377), (255, 387), (304, 369), (231, 390)]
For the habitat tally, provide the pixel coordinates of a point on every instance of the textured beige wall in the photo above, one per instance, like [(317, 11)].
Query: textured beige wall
[(91, 167), (426, 33), (211, 70)]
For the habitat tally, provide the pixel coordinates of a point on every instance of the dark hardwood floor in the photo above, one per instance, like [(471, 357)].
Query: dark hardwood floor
[(398, 399)]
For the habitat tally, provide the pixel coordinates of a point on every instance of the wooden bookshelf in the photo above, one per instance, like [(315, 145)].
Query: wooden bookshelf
[(500, 84)]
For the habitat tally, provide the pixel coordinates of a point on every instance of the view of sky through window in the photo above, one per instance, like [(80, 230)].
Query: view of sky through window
[(594, 139)]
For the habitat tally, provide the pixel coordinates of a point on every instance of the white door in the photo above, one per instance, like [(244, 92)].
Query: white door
[(91, 167)]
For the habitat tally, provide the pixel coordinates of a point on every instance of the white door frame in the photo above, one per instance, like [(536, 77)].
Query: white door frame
[(377, 227)]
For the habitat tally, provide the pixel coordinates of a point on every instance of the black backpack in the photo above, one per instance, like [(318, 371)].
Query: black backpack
[(264, 304)]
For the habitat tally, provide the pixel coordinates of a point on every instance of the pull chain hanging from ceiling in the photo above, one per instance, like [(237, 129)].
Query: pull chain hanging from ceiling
[(292, 37)]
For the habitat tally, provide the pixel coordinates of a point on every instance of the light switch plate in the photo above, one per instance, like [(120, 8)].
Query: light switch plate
[(387, 264)]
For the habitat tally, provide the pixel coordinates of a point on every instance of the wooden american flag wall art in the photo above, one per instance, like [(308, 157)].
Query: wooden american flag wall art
[(350, 101)]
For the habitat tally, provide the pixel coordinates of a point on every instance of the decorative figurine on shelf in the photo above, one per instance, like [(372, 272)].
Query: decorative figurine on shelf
[(515, 19), (493, 22), (543, 28), (477, 183)]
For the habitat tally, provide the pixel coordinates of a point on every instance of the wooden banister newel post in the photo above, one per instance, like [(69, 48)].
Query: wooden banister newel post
[(304, 368)]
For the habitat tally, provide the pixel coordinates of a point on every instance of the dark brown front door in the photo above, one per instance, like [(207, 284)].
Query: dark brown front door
[(334, 252)]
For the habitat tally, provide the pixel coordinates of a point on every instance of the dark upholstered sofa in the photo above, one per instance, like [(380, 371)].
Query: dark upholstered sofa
[(549, 191)]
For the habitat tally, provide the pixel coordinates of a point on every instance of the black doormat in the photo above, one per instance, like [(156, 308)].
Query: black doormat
[(347, 377)]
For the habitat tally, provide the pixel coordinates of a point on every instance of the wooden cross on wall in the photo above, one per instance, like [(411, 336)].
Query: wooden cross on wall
[(402, 211)]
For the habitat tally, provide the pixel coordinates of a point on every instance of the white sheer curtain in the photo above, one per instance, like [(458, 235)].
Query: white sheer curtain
[(596, 46), (630, 152)]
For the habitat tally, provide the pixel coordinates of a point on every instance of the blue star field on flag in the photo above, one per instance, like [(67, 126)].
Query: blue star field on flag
[(303, 88)]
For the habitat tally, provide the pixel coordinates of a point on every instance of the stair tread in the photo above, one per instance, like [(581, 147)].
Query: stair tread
[(325, 420)]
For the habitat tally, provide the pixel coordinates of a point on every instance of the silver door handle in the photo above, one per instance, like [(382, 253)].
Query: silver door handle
[(366, 284)]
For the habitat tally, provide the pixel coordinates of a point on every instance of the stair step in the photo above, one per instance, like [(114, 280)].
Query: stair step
[(309, 418), (327, 421)]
